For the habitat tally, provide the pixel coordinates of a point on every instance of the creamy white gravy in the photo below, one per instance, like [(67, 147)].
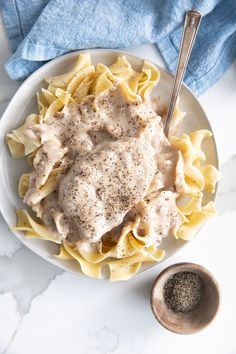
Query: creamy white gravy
[(111, 154)]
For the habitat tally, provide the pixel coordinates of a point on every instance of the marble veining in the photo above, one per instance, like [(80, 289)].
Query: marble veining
[(226, 199), (25, 282), (104, 340), (9, 309), (46, 310), (8, 244)]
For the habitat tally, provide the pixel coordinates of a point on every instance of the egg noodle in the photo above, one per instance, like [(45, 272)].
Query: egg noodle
[(193, 176)]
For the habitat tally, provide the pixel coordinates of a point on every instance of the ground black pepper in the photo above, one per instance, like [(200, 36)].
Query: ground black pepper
[(126, 173), (183, 292)]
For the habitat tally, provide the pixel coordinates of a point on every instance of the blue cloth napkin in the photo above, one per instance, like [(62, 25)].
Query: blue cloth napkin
[(40, 30)]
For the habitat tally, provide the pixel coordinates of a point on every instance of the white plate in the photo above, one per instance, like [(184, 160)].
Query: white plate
[(24, 103)]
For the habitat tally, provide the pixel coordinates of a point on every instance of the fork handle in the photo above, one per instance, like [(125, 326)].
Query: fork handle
[(191, 25)]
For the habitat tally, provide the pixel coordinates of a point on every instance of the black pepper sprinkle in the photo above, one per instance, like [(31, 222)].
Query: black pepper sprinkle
[(183, 292)]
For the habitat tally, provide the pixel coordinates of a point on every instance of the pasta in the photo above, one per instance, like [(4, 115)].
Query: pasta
[(125, 250), (192, 176), (17, 141), (196, 219)]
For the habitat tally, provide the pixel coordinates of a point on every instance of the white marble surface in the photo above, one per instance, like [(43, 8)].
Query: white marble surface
[(45, 310)]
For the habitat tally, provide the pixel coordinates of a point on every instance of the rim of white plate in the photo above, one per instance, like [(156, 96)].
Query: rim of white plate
[(20, 235)]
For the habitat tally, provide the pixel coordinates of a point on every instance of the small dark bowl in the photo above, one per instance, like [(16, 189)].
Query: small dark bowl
[(190, 322)]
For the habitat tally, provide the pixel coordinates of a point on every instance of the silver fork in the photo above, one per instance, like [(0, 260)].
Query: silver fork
[(191, 26)]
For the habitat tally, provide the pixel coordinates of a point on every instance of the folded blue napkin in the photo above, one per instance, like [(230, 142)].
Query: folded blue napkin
[(40, 30)]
